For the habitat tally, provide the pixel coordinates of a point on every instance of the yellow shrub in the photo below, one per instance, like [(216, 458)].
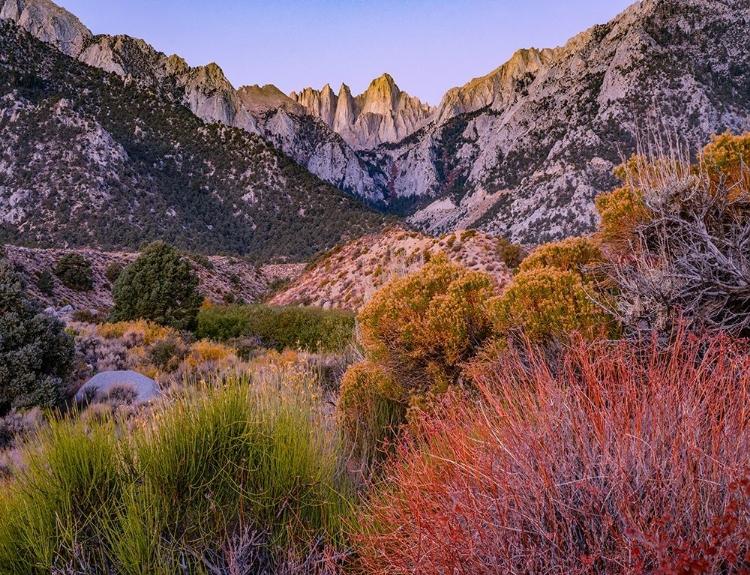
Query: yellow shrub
[(548, 302), (147, 331), (572, 254), (204, 351), (727, 158), (428, 323)]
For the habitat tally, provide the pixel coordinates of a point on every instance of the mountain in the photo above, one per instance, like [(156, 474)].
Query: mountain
[(523, 151), (90, 158), (382, 114)]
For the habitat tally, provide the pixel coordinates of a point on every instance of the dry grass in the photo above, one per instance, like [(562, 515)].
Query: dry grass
[(611, 458)]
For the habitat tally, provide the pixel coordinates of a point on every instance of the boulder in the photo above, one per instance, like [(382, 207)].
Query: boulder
[(102, 384)]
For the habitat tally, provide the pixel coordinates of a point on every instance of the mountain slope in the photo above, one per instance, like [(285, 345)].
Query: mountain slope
[(91, 159), (540, 136)]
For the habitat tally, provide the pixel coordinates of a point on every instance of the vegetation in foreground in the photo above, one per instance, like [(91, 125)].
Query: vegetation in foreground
[(590, 418)]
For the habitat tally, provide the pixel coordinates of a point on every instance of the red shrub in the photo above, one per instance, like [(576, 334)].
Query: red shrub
[(612, 458)]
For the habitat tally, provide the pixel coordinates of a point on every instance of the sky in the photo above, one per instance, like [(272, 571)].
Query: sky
[(428, 46)]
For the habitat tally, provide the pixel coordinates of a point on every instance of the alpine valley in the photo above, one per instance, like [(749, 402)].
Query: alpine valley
[(105, 142)]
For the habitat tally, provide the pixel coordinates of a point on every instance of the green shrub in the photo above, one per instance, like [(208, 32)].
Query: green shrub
[(36, 355), (191, 484), (288, 327), (554, 293), (573, 254), (45, 283), (372, 406), (511, 254), (160, 286), (113, 272), (75, 272)]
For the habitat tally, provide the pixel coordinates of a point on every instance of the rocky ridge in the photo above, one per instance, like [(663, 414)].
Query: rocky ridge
[(94, 159), (382, 114), (348, 276)]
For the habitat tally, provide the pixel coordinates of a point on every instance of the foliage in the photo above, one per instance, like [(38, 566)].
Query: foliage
[(547, 303), (677, 238), (281, 327), (113, 271), (36, 355), (572, 254), (45, 283), (75, 272), (241, 476), (511, 254), (159, 286), (609, 458), (372, 406), (554, 294), (423, 327)]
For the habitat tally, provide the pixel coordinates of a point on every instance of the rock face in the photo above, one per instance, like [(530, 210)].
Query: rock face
[(524, 151), (92, 159), (48, 22), (521, 152), (383, 114)]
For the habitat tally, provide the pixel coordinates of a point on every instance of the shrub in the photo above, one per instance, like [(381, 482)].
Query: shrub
[(572, 254), (45, 283), (167, 353), (159, 286), (113, 271), (511, 254), (687, 257), (372, 406), (307, 328), (240, 477), (423, 327), (36, 355), (556, 292), (75, 272), (547, 303), (611, 458)]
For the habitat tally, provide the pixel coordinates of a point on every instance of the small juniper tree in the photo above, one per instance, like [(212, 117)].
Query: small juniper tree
[(75, 272), (159, 286), (45, 283), (36, 355)]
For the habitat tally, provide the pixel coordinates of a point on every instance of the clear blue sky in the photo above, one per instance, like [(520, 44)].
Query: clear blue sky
[(428, 46)]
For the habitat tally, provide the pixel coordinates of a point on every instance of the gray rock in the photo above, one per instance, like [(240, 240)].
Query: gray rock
[(103, 383), (50, 310), (66, 309)]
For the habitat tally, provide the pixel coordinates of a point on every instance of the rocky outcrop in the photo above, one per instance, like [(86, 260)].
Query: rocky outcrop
[(205, 89), (48, 22), (382, 114), (505, 84), (262, 99)]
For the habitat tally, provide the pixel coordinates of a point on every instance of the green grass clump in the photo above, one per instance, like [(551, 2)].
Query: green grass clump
[(180, 488), (279, 327)]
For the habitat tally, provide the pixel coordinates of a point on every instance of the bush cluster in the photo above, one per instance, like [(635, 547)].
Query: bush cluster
[(290, 327), (36, 355), (75, 272), (238, 479)]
